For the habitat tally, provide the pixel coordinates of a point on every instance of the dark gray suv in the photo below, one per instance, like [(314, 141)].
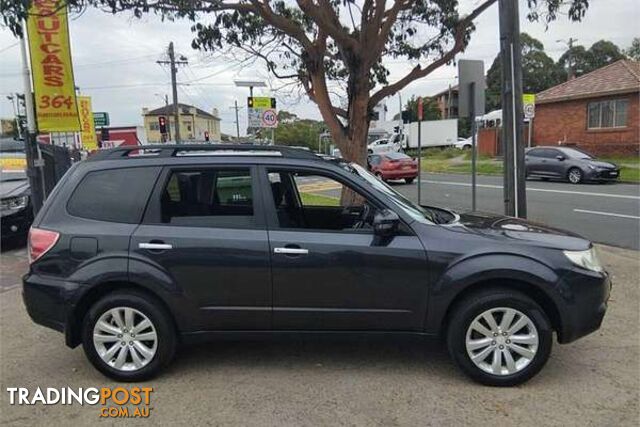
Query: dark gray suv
[(139, 249), (568, 164)]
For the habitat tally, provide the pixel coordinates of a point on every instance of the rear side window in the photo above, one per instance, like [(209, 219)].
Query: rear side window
[(208, 198), (116, 195)]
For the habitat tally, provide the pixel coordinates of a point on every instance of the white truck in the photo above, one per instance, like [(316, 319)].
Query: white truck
[(434, 133)]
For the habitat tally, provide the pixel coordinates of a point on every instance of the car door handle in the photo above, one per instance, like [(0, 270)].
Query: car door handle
[(291, 251), (155, 246)]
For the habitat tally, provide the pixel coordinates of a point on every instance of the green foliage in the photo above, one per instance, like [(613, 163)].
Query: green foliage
[(294, 131), (430, 110), (633, 51), (539, 72), (584, 61)]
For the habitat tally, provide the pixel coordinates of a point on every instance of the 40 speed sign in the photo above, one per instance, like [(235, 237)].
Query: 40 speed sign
[(269, 118)]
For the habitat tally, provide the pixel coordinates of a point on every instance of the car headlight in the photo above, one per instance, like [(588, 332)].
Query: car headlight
[(585, 259), (592, 167), (11, 205)]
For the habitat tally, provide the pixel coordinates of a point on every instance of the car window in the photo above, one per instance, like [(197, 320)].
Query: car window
[(208, 198), (396, 156), (547, 153), (122, 194), (374, 160), (314, 201), (534, 153)]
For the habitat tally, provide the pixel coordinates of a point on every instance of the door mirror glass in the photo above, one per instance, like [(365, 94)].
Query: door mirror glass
[(385, 222), (560, 157)]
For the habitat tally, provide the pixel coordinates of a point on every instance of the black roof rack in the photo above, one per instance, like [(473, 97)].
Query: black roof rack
[(173, 150)]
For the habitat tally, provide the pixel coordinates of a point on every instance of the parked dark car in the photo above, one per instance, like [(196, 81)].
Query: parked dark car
[(137, 250), (16, 212), (390, 166), (568, 164)]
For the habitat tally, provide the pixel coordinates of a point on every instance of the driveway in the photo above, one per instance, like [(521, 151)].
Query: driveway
[(594, 381)]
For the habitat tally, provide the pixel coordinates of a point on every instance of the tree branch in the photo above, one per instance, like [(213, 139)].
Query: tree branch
[(419, 72)]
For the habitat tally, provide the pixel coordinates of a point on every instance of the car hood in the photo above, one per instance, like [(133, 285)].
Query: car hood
[(19, 187), (603, 165), (516, 230)]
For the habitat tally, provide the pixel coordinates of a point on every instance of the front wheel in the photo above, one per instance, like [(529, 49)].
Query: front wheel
[(500, 337), (128, 336), (409, 180), (575, 176)]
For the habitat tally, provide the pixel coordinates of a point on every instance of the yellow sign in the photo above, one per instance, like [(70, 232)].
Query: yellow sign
[(87, 128), (529, 105), (13, 163), (50, 51), (528, 98), (261, 102)]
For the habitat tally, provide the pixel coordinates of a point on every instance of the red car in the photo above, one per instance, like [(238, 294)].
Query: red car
[(390, 166)]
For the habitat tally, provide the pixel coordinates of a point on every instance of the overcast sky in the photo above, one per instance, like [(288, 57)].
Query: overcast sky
[(115, 61)]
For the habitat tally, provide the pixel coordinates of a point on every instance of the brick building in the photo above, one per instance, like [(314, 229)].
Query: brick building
[(598, 112), (447, 101)]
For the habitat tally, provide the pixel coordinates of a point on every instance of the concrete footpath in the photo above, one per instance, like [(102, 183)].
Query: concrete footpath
[(594, 381)]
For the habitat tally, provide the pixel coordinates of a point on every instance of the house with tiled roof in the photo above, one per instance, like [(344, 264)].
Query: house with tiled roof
[(598, 111), (195, 124)]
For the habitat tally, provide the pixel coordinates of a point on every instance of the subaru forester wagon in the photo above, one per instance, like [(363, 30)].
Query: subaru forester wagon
[(140, 249)]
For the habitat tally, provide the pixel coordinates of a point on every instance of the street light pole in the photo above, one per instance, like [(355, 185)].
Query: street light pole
[(35, 163), (515, 202)]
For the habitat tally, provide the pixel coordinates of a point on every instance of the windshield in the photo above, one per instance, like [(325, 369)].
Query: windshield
[(416, 212), (577, 154)]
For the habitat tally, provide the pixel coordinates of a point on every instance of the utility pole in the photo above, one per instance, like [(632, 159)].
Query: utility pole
[(235, 107), (515, 202), (570, 70), (174, 86), (34, 160)]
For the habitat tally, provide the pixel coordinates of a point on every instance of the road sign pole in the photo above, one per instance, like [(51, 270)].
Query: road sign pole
[(420, 107), (529, 132), (472, 117)]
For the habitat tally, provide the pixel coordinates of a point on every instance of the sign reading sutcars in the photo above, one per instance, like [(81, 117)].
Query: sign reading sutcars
[(54, 87)]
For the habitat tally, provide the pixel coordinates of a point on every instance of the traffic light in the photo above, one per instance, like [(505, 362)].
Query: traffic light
[(406, 116), (104, 134), (162, 124)]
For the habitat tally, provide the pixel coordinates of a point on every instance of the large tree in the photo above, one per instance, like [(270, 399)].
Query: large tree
[(633, 51), (334, 49), (584, 61), (539, 72), (430, 109)]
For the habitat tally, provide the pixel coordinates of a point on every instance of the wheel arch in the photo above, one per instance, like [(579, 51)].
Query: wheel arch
[(73, 332), (534, 292)]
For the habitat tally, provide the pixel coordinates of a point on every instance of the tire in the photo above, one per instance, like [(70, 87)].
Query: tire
[(461, 330), (146, 365), (575, 175), (409, 180)]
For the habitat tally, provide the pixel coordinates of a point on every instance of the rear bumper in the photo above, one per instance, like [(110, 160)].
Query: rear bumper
[(586, 295), (399, 174), (50, 302)]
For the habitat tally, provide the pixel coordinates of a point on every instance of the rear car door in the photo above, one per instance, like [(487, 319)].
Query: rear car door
[(330, 272), (204, 228)]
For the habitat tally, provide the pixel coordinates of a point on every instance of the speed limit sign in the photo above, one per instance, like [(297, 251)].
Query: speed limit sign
[(269, 118), (529, 105)]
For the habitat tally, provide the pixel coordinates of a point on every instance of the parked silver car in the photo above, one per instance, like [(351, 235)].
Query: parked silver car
[(569, 164)]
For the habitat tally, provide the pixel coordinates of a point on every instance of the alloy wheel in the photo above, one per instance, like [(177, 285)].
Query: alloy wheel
[(125, 338), (575, 176), (502, 341)]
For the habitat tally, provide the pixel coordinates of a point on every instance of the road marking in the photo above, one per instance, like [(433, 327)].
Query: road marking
[(607, 214), (544, 190)]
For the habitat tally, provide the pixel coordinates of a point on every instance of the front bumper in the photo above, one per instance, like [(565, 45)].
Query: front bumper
[(51, 303), (17, 224), (586, 295), (603, 175)]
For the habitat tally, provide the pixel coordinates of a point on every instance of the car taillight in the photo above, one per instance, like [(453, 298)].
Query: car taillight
[(40, 241)]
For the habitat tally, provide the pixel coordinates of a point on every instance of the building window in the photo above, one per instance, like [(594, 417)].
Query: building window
[(607, 114), (154, 126)]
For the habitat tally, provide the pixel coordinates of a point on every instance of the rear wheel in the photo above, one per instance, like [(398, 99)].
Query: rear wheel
[(409, 180), (500, 337), (574, 176), (128, 336)]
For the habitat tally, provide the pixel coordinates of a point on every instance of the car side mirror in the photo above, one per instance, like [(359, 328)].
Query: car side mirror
[(385, 222), (560, 157)]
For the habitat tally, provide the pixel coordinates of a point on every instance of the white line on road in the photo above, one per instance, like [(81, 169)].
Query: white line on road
[(606, 213), (545, 190)]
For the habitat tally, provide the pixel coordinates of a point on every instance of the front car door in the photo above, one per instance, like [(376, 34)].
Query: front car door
[(205, 229), (329, 271)]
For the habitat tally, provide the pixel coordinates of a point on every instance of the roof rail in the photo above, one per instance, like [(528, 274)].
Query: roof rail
[(172, 150)]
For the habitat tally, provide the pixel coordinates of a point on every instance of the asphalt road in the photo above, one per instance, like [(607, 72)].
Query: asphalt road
[(604, 213), (592, 382)]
